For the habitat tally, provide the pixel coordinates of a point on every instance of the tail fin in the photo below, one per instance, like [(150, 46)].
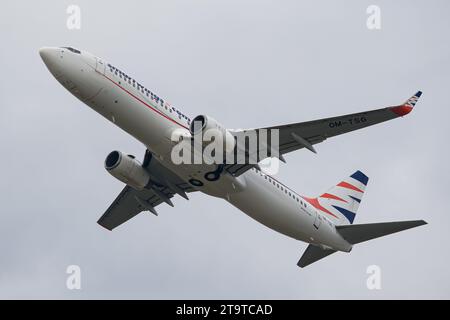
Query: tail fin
[(358, 233), (341, 202)]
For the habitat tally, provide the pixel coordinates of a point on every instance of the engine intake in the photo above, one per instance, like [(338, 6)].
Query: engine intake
[(205, 124), (198, 124), (127, 169)]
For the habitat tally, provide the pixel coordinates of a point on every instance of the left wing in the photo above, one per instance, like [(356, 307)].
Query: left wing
[(130, 202), (306, 134)]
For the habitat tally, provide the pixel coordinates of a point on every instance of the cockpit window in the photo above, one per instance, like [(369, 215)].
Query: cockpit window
[(72, 49)]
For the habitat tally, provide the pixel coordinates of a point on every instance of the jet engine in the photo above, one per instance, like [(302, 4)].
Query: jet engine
[(127, 169), (209, 127)]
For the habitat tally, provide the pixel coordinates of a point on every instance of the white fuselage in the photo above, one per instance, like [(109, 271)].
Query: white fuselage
[(152, 121)]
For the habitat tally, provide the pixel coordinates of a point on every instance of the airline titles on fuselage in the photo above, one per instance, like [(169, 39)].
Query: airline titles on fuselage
[(159, 102)]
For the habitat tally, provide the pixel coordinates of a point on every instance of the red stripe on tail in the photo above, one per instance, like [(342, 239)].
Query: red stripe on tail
[(349, 186), (332, 196), (315, 203)]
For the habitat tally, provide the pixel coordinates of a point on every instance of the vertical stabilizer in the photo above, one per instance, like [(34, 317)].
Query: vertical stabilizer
[(341, 202)]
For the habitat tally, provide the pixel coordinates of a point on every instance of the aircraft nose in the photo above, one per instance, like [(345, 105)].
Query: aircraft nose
[(48, 55)]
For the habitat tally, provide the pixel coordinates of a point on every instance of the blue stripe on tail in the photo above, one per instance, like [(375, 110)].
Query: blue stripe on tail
[(361, 177), (348, 214), (356, 199)]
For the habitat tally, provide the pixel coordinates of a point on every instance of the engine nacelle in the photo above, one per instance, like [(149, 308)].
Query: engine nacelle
[(127, 169), (205, 124)]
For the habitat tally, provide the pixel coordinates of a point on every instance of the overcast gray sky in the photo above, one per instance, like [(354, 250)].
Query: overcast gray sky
[(247, 64)]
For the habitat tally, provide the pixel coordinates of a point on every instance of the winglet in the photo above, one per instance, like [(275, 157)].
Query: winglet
[(407, 107)]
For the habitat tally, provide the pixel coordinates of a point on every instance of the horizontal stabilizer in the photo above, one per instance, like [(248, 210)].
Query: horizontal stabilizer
[(312, 254), (357, 233)]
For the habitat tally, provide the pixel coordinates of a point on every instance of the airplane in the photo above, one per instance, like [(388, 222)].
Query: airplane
[(325, 222)]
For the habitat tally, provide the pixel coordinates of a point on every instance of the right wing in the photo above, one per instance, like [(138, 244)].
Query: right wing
[(300, 135)]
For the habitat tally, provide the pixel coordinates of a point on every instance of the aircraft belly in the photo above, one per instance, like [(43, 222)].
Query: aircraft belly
[(272, 210)]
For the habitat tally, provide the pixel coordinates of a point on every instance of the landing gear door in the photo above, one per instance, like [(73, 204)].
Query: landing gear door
[(100, 66), (317, 220)]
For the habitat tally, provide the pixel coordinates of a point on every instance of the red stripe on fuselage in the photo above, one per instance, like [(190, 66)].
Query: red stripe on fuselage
[(143, 102)]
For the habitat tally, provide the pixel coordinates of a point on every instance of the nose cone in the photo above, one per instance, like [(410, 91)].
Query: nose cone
[(70, 67), (52, 59), (48, 55)]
